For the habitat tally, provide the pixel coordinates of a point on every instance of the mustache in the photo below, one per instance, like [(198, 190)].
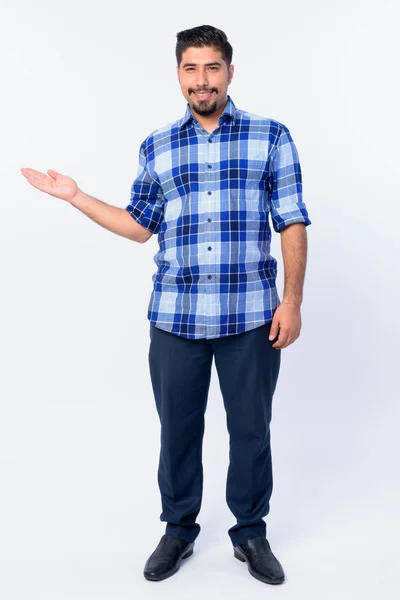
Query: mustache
[(192, 91)]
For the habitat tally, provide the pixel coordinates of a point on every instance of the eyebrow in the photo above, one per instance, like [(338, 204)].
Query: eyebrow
[(206, 64)]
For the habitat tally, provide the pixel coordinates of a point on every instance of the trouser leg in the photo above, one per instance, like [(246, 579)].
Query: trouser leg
[(248, 368), (180, 370)]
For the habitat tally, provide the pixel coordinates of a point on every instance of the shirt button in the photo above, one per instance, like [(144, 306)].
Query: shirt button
[(209, 193), (209, 166), (209, 220), (209, 140), (209, 248), (209, 276)]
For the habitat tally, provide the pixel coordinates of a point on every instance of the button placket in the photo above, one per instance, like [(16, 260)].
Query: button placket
[(209, 159)]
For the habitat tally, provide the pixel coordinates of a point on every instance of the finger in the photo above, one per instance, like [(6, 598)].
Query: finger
[(29, 171), (292, 338), (287, 343), (52, 173), (273, 332), (283, 336), (33, 175), (40, 181)]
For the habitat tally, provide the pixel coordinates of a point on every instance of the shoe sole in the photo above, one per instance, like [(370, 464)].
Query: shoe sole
[(259, 577), (169, 573)]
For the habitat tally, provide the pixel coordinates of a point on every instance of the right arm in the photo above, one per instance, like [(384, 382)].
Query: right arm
[(115, 219)]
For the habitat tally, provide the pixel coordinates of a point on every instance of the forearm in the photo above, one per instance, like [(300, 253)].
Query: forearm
[(115, 219), (294, 253)]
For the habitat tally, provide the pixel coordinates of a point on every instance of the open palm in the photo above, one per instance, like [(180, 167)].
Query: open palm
[(54, 183)]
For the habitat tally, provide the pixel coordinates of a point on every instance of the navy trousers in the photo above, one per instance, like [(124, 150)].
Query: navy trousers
[(180, 368)]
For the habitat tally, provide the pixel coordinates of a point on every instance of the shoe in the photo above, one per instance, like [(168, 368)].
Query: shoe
[(262, 564), (167, 557)]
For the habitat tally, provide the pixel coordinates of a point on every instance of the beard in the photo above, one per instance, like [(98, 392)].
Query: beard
[(206, 110)]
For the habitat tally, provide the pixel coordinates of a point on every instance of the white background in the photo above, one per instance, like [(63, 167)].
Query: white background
[(83, 83)]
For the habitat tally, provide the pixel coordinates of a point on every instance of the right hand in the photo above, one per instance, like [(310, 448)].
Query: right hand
[(55, 184)]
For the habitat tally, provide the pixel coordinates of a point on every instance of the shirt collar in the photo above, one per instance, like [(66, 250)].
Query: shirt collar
[(229, 112)]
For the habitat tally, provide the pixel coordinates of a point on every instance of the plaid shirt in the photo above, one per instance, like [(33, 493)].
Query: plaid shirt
[(208, 197)]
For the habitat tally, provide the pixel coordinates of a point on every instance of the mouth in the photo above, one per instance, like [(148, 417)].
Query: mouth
[(202, 96)]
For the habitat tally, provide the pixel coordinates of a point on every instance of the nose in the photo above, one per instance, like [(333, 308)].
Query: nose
[(201, 78)]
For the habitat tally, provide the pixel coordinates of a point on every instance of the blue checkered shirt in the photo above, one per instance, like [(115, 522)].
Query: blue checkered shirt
[(208, 197)]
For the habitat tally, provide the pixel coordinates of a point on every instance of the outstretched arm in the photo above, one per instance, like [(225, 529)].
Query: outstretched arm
[(115, 219)]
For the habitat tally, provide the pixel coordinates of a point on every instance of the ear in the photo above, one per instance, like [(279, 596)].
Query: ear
[(230, 73)]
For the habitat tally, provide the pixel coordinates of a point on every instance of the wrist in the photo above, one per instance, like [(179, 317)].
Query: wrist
[(77, 198), (292, 301)]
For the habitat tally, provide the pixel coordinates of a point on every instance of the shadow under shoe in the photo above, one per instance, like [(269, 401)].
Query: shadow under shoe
[(167, 557), (261, 563)]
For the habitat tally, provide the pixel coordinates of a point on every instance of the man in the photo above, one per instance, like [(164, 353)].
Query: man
[(206, 185)]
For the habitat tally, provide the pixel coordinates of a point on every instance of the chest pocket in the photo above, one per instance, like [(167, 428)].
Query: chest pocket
[(256, 155)]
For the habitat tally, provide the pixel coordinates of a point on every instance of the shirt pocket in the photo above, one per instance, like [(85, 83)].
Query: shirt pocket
[(255, 158)]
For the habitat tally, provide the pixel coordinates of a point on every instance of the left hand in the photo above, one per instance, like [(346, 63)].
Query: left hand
[(287, 320)]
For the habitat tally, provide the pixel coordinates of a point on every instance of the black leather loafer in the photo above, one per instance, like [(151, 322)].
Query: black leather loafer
[(167, 557), (262, 564)]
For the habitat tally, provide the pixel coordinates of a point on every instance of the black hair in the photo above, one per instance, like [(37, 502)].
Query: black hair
[(204, 35)]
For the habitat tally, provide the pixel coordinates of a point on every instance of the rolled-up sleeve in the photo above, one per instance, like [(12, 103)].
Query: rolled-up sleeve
[(146, 204), (285, 184)]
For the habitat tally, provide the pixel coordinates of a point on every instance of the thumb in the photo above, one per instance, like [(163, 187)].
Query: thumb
[(273, 332), (52, 173)]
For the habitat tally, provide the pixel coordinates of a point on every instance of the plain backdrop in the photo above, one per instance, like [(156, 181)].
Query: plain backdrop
[(83, 83)]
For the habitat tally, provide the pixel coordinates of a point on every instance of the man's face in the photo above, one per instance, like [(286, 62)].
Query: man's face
[(204, 70)]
